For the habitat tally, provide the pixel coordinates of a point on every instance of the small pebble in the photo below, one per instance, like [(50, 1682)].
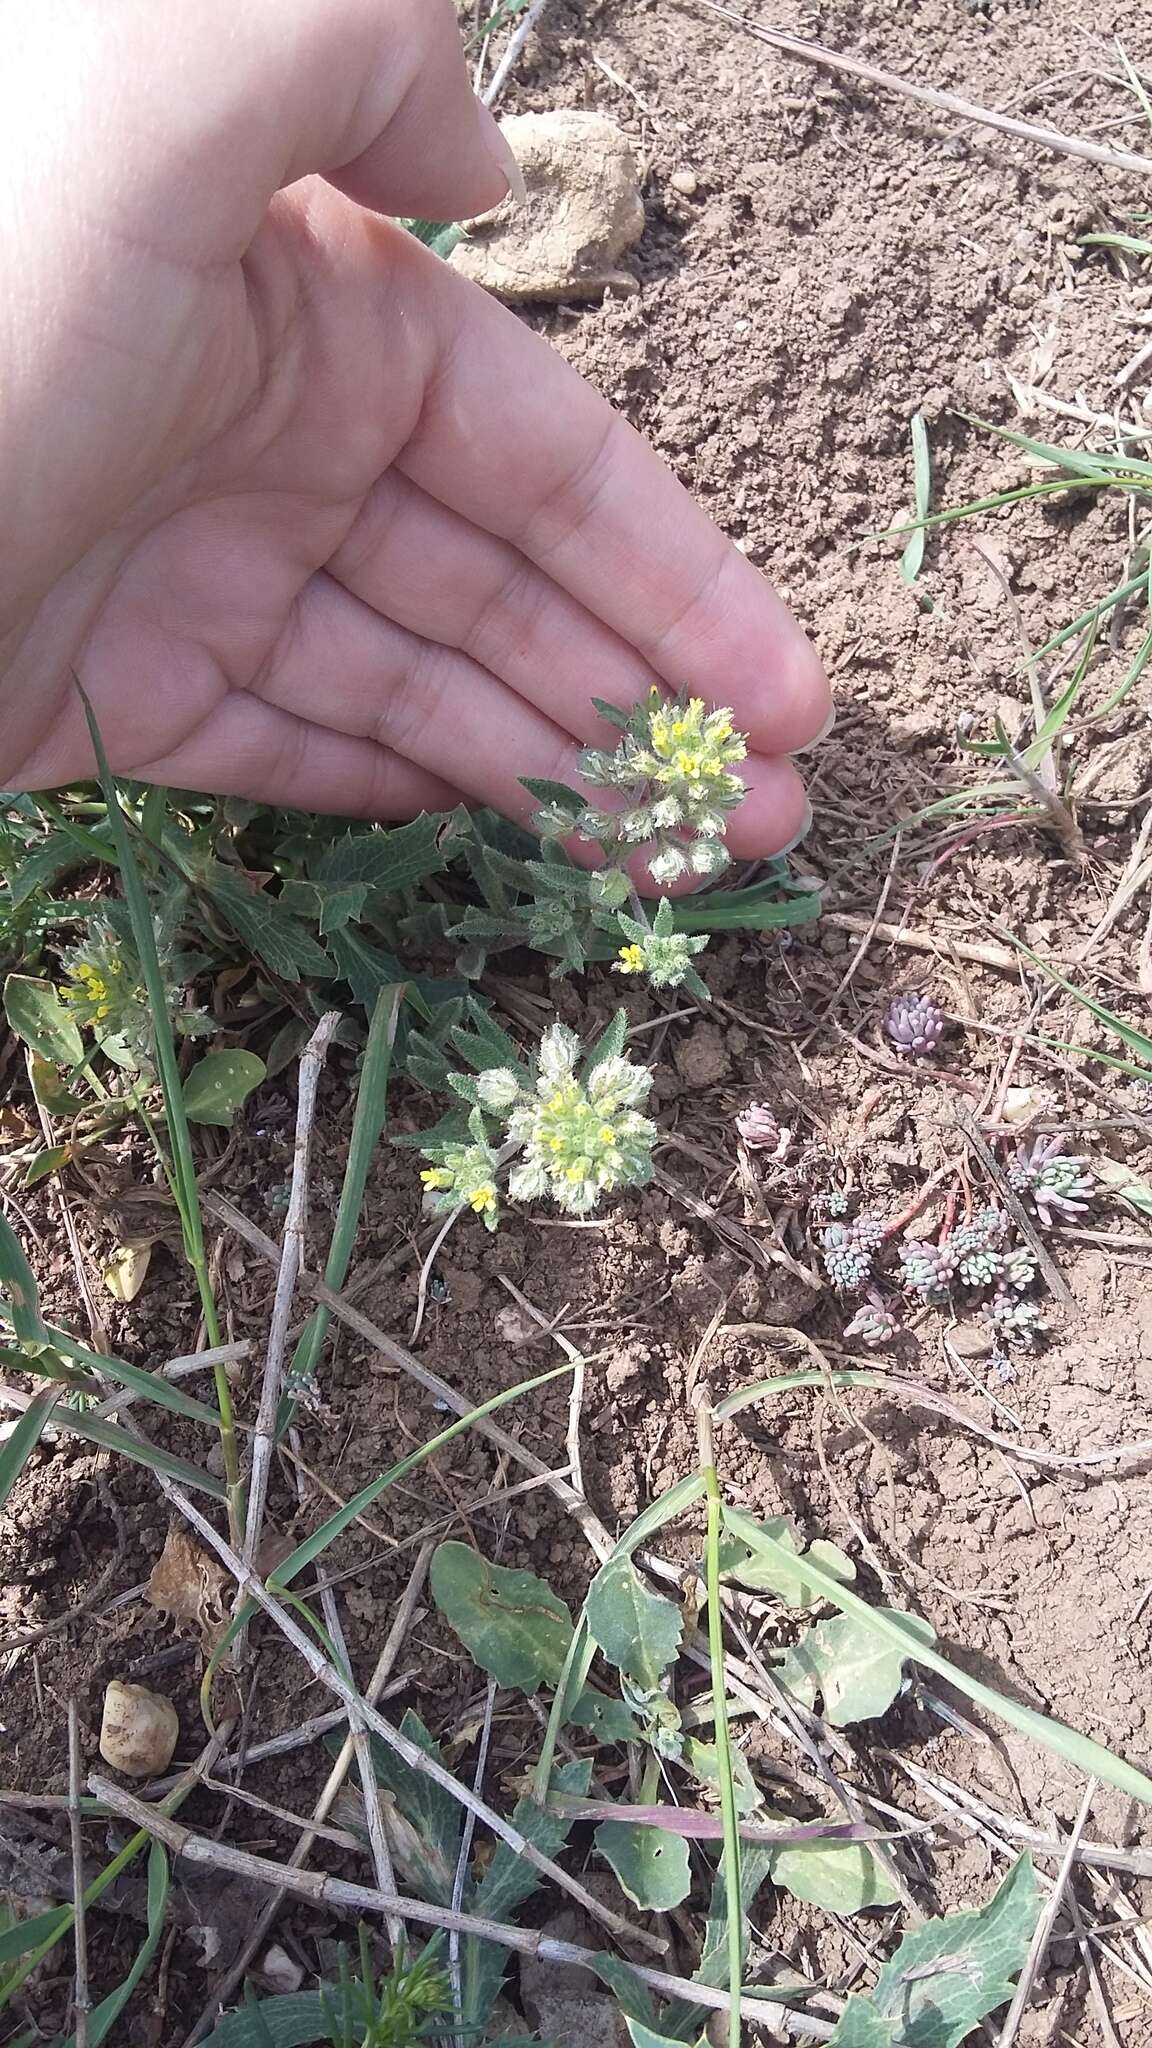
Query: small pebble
[(686, 183)]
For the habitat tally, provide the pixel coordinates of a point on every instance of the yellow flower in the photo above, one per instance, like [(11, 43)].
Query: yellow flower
[(607, 1134), (436, 1177), (630, 960), (483, 1199)]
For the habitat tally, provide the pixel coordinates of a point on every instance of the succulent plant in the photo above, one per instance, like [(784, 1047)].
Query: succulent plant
[(1013, 1315), (868, 1230), (835, 1202), (928, 1269), (1050, 1178), (979, 1267), (874, 1324), (914, 1024), (758, 1128), (847, 1262), (1018, 1267)]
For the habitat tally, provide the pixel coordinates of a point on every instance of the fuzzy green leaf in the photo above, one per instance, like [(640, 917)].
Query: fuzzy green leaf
[(37, 1015), (949, 1974), (557, 793), (651, 1864), (387, 863), (219, 1084), (270, 932), (638, 1630), (512, 1622), (763, 1571), (857, 1673)]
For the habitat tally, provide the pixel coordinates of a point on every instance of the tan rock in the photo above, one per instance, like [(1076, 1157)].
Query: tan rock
[(583, 209), (138, 1731)]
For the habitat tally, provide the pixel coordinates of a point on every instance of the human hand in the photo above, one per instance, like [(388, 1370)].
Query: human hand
[(312, 519)]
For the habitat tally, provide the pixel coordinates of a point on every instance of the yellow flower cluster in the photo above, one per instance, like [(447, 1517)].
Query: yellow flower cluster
[(89, 990)]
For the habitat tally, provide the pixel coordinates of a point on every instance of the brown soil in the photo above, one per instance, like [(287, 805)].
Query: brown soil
[(819, 262)]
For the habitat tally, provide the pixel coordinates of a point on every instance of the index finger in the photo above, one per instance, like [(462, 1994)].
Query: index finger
[(510, 436)]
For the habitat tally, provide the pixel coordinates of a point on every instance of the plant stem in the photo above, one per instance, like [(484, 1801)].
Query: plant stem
[(733, 1890)]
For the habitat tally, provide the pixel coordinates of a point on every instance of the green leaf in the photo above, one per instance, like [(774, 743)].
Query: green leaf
[(15, 1452), (369, 971), (266, 929), (765, 1571), (557, 793), (339, 907), (50, 1090), (219, 1084), (605, 1718), (47, 1162), (629, 1990), (19, 1285), (54, 856), (22, 1935), (512, 1622), (702, 1759), (949, 1974), (507, 1882), (610, 1043), (651, 1864), (105, 2015), (295, 2020), (638, 1630), (841, 1877), (37, 1015), (384, 862), (857, 1672), (436, 1816)]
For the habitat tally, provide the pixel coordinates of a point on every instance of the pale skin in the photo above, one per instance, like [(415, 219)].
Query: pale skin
[(312, 519)]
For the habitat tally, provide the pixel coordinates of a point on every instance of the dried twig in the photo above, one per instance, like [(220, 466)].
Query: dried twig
[(511, 55), (376, 1689), (81, 2002), (370, 1790), (941, 946), (291, 1257), (370, 1333), (929, 96), (417, 1759), (1045, 1926), (579, 1365), (324, 1890)]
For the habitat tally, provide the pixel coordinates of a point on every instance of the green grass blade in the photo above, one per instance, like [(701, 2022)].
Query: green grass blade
[(1055, 1736), (1137, 1041), (1132, 244), (732, 1853), (912, 559), (151, 1386), (18, 1448), (103, 2016), (16, 1278)]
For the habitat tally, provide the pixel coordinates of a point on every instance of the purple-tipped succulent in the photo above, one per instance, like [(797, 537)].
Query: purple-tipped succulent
[(914, 1024), (1014, 1316), (1050, 1178), (847, 1262), (874, 1324), (927, 1270), (868, 1230), (759, 1128)]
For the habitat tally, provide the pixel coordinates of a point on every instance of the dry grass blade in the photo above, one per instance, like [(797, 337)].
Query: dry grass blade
[(1046, 1924), (311, 1065), (334, 1891), (928, 96)]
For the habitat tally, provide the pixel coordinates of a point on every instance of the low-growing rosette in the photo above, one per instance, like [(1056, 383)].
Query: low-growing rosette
[(914, 1023), (1051, 1179), (847, 1262), (659, 951)]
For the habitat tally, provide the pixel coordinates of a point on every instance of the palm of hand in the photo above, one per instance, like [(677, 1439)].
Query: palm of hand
[(399, 548)]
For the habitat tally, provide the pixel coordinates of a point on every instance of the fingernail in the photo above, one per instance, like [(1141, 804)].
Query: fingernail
[(805, 829), (824, 731), (500, 150)]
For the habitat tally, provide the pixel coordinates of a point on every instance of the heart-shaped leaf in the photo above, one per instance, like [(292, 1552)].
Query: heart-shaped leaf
[(857, 1672), (652, 1866), (218, 1085)]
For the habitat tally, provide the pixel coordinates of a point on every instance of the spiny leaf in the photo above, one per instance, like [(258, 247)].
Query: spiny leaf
[(857, 1672), (37, 1015), (638, 1630), (507, 1882), (764, 1572), (949, 1974), (385, 862), (651, 1864), (219, 1083), (269, 930), (512, 1622)]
